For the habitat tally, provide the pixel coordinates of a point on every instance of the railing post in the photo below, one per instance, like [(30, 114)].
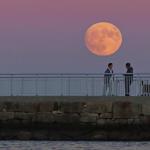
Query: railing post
[(61, 85), (45, 86), (86, 82), (36, 85), (68, 86), (11, 85), (93, 84), (22, 86)]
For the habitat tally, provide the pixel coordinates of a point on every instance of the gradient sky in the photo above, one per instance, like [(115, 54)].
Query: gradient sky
[(47, 36)]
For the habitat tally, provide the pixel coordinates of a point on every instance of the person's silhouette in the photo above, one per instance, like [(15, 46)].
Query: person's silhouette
[(128, 79), (107, 80)]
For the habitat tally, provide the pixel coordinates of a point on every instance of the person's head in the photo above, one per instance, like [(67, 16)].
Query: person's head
[(110, 65), (128, 65)]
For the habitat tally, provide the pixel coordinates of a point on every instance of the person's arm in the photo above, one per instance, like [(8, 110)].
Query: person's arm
[(107, 71), (130, 70)]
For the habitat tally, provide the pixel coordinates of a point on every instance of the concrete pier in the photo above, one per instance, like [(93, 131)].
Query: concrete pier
[(74, 118)]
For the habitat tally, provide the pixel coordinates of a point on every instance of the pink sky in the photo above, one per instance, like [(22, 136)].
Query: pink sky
[(48, 35)]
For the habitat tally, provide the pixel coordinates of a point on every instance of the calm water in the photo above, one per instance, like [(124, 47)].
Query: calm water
[(48, 145)]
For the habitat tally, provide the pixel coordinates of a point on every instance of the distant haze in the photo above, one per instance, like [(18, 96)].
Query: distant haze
[(47, 36)]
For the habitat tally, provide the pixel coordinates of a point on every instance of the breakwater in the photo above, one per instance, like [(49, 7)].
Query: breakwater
[(74, 118)]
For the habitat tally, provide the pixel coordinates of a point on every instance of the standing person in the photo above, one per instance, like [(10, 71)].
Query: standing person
[(128, 79), (108, 79)]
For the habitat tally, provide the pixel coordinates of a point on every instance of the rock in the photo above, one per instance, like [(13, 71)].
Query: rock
[(45, 117), (27, 107), (66, 118), (145, 109), (71, 107), (101, 122), (121, 121), (40, 135), (24, 135), (6, 115), (24, 116), (88, 118), (126, 110), (145, 120), (46, 107), (98, 107), (130, 121), (106, 115)]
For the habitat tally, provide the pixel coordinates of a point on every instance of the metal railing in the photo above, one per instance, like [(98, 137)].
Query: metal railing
[(73, 85)]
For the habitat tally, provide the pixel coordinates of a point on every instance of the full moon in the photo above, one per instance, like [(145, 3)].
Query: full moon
[(103, 39)]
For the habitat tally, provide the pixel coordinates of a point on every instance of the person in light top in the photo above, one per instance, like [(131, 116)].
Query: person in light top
[(108, 80)]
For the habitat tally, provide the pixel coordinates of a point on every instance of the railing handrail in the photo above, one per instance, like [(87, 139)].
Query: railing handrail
[(63, 74)]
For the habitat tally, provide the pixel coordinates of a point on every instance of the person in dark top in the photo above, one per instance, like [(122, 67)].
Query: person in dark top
[(128, 79), (107, 76)]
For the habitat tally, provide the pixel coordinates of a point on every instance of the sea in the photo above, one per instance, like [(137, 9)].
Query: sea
[(73, 145)]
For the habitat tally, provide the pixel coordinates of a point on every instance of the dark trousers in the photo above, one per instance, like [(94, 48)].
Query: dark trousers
[(128, 82), (106, 85)]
